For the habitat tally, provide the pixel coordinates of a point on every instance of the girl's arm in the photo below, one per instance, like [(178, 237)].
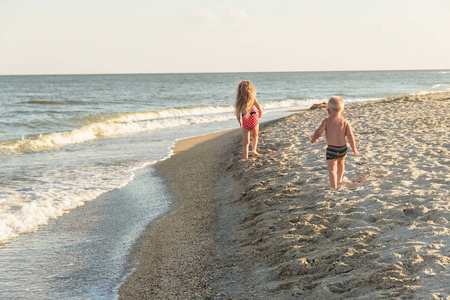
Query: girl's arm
[(351, 140), (238, 116), (318, 132), (258, 106)]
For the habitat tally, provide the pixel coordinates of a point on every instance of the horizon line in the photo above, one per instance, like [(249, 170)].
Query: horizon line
[(217, 72)]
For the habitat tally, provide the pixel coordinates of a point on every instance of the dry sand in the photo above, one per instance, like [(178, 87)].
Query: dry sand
[(271, 228)]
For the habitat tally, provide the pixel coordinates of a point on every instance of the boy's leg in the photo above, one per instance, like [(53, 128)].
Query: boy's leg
[(255, 139), (245, 142), (331, 163), (340, 170)]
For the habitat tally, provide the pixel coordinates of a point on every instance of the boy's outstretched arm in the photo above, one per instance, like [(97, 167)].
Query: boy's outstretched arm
[(318, 132), (351, 140)]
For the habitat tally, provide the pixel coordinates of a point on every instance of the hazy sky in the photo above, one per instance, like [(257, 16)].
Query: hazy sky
[(166, 36)]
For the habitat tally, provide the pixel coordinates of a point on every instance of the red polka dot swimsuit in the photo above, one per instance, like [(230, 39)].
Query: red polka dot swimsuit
[(251, 121)]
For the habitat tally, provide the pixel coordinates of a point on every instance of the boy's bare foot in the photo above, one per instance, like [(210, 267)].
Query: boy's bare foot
[(255, 153)]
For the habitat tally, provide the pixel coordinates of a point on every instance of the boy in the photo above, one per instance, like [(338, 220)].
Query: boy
[(336, 129)]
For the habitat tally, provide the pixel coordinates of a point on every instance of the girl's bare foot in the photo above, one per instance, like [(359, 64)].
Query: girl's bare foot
[(255, 153)]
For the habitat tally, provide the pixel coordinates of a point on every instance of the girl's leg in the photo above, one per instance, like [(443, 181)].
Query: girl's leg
[(255, 139), (331, 163), (340, 170), (245, 142)]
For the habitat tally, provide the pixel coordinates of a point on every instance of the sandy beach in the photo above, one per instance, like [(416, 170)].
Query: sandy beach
[(271, 227)]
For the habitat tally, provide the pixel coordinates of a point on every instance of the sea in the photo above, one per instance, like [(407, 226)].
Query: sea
[(77, 182)]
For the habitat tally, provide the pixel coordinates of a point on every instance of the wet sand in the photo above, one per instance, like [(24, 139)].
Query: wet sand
[(271, 227), (175, 252)]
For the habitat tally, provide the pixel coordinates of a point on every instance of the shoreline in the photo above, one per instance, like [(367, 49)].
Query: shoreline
[(175, 263), (269, 234)]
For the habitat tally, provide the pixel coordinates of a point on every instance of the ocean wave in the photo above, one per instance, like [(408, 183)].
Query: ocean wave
[(132, 123), (291, 103), (24, 210), (43, 102), (427, 92), (52, 102), (166, 113)]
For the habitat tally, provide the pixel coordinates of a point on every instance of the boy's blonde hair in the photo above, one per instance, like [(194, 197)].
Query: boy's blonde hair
[(246, 92), (336, 104)]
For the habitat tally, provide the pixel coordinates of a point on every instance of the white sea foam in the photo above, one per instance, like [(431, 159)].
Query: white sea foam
[(56, 192), (291, 103), (425, 92)]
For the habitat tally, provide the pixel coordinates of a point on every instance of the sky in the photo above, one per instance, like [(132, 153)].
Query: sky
[(190, 36)]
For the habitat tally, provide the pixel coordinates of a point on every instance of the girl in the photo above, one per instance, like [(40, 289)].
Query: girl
[(247, 112)]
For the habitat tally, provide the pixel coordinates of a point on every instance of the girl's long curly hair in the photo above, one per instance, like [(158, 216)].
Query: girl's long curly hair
[(246, 93)]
